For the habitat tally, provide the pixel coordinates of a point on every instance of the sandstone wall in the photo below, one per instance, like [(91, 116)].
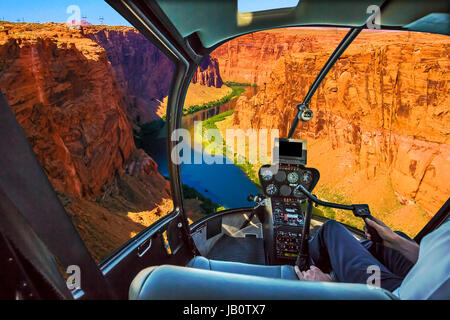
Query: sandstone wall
[(63, 90), (208, 73), (143, 73), (250, 58), (386, 101)]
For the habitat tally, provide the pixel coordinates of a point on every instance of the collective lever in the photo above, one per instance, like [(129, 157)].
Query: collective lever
[(359, 210)]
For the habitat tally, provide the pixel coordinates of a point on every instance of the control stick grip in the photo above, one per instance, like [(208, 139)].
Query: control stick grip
[(374, 236), (363, 211)]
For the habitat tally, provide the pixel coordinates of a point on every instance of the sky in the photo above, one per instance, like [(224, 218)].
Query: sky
[(258, 5), (56, 11)]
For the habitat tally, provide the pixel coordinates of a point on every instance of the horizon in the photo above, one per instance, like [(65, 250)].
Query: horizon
[(46, 11)]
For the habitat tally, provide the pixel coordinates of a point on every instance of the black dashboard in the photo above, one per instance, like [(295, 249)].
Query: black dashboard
[(280, 181), (284, 205)]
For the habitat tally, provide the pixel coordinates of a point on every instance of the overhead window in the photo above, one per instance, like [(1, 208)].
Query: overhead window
[(254, 6)]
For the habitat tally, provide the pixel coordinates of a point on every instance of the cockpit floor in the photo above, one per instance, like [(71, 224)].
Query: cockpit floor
[(246, 250)]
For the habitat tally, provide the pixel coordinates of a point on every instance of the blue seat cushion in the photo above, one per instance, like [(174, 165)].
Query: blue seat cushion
[(181, 283), (275, 272)]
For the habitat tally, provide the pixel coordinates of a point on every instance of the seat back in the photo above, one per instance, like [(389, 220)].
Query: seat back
[(182, 283)]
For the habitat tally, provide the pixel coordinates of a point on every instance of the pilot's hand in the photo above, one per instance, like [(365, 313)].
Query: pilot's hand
[(313, 274), (389, 237)]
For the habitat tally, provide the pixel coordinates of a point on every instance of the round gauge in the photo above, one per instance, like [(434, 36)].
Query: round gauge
[(271, 189), (285, 190), (266, 174), (280, 176), (292, 177), (306, 177), (297, 193)]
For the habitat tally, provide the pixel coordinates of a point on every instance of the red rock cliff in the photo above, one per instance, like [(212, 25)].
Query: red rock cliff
[(63, 90), (143, 73), (382, 110), (208, 73), (250, 58)]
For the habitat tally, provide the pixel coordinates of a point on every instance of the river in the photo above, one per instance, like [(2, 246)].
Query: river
[(225, 184)]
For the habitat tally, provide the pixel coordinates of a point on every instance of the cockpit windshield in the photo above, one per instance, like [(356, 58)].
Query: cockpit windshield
[(379, 133)]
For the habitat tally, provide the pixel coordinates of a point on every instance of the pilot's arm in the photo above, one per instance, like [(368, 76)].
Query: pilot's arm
[(407, 248)]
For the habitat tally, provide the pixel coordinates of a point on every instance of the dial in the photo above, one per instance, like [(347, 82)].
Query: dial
[(297, 193), (266, 174), (280, 176), (306, 178), (292, 177), (285, 190), (271, 189)]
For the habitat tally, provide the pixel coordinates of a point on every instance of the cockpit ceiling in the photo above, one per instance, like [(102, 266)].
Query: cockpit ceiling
[(215, 21)]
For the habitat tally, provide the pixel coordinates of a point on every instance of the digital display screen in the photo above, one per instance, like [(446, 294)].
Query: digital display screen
[(290, 149)]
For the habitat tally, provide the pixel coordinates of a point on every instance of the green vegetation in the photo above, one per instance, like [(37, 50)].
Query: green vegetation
[(246, 166), (239, 84), (155, 126), (207, 206), (211, 122), (250, 172), (236, 92), (343, 216)]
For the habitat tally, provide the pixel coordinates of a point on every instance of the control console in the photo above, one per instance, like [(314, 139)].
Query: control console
[(284, 201), (286, 213), (280, 181), (279, 185), (288, 220), (287, 244)]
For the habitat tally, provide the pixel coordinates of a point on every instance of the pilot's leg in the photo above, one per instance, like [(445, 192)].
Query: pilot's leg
[(334, 248), (392, 259)]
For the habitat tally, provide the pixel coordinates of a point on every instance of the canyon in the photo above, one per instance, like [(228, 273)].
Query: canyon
[(79, 94), (142, 72), (73, 105), (381, 128), (250, 58), (208, 73), (380, 132)]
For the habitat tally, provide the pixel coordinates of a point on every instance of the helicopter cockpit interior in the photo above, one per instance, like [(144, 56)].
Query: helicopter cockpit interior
[(264, 242), (82, 209)]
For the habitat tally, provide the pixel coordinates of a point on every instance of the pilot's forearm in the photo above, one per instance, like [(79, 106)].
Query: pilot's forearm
[(407, 248)]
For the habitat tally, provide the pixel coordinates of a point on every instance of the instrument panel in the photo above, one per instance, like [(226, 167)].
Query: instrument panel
[(279, 184), (279, 181)]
